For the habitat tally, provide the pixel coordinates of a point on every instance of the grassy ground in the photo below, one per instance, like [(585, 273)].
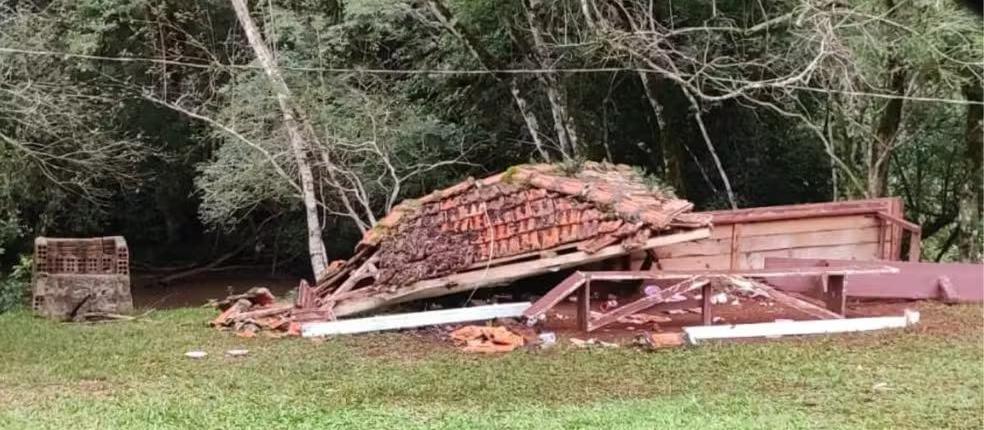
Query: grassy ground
[(134, 375)]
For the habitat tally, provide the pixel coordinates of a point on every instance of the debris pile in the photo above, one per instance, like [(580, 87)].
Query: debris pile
[(530, 214), (526, 221), (637, 319), (250, 312)]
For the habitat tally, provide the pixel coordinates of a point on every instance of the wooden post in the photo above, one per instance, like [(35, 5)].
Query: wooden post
[(584, 305), (881, 237), (915, 245), (834, 296), (735, 262), (705, 299)]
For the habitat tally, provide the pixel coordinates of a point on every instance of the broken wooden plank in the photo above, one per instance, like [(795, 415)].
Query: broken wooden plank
[(645, 302), (501, 275), (785, 299), (556, 295), (305, 296), (263, 312), (365, 271), (698, 334), (414, 319)]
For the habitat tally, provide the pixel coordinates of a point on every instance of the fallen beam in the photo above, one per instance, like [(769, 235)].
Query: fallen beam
[(645, 303), (785, 299), (698, 334), (556, 295), (501, 275), (411, 320)]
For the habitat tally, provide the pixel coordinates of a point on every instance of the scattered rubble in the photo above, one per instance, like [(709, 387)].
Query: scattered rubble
[(609, 304), (484, 339), (637, 319), (581, 343), (660, 340), (237, 352), (547, 339), (719, 299), (251, 312)]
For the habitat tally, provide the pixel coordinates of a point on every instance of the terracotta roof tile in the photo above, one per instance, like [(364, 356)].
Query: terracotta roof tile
[(528, 208)]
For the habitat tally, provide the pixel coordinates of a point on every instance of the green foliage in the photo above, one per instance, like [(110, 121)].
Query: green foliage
[(15, 286), (82, 152)]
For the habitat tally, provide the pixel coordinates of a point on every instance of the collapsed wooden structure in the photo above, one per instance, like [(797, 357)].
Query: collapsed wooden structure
[(538, 219), (529, 220)]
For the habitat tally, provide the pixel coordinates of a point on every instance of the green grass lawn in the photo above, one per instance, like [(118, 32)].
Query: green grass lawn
[(133, 375)]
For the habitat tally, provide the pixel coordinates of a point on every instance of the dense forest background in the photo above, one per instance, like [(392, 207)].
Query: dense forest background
[(162, 120)]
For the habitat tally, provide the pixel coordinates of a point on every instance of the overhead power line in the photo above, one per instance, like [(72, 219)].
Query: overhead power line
[(450, 72)]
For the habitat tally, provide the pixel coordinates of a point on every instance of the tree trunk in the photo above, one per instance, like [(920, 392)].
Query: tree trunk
[(671, 152), (880, 151), (556, 95), (886, 132), (532, 125), (972, 192), (474, 46), (299, 145)]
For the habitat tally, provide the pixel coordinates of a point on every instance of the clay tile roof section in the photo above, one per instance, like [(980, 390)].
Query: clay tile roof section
[(526, 209)]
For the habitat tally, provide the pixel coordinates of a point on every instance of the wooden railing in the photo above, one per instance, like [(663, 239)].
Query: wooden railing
[(888, 230)]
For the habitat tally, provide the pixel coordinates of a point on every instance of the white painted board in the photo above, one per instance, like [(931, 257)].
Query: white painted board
[(696, 334), (414, 319)]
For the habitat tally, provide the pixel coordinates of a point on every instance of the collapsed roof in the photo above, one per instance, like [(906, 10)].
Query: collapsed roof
[(528, 220)]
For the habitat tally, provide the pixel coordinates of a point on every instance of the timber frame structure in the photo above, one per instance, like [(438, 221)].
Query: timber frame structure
[(832, 291)]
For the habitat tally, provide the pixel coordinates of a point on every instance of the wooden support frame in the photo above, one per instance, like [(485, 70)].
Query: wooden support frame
[(501, 275), (705, 301), (556, 295), (584, 305), (833, 292)]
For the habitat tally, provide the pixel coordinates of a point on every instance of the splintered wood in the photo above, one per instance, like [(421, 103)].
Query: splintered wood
[(251, 312)]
